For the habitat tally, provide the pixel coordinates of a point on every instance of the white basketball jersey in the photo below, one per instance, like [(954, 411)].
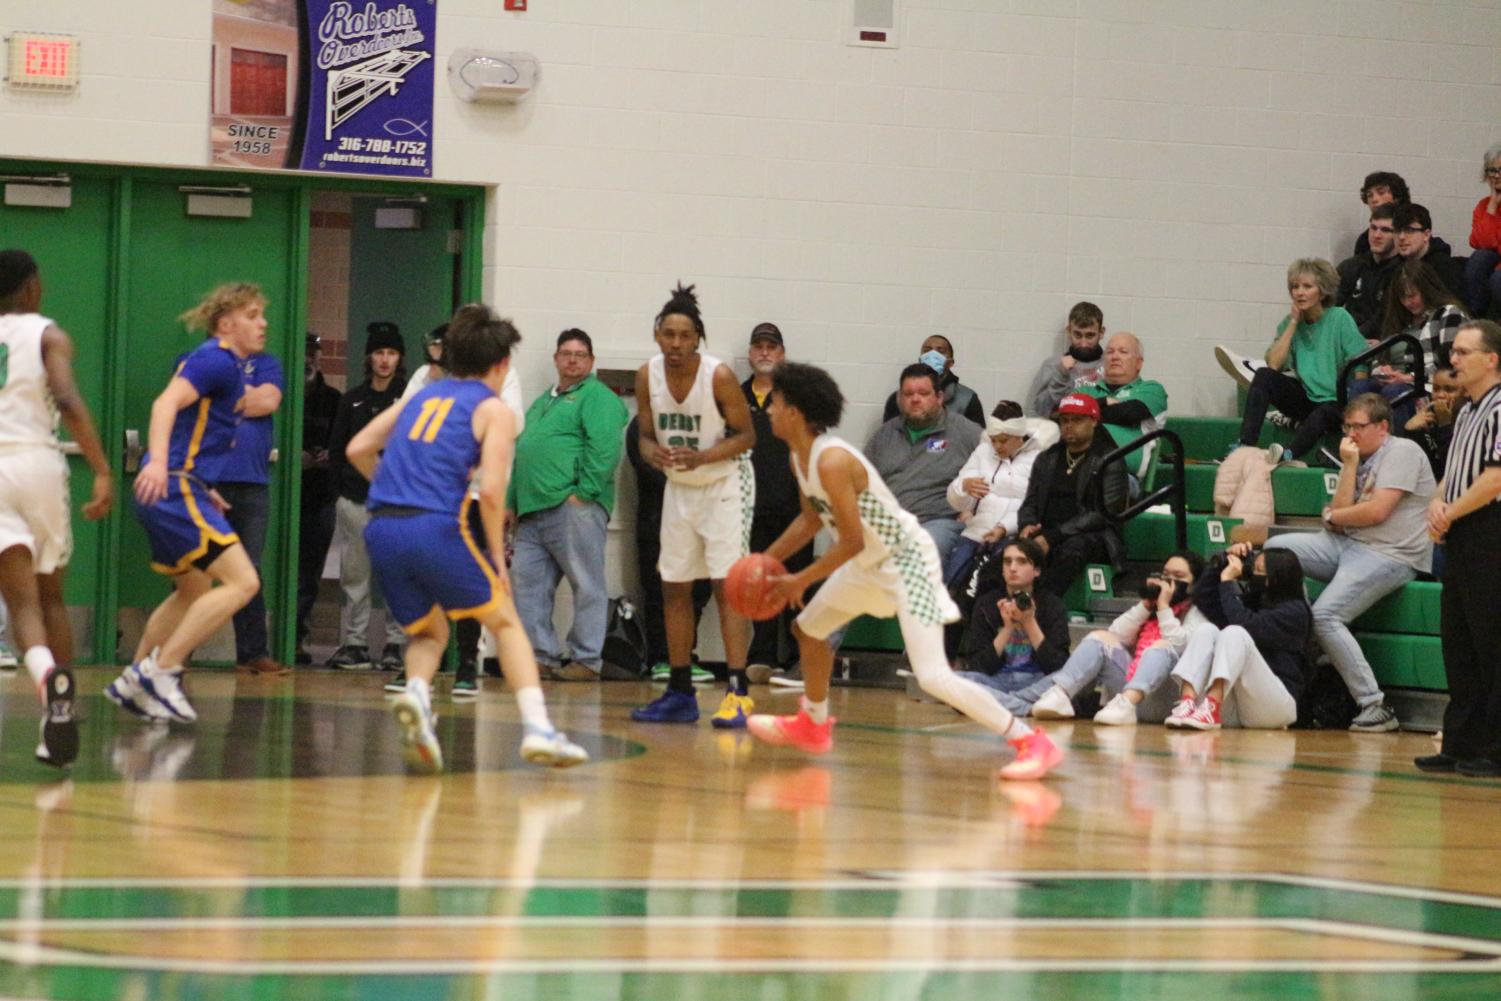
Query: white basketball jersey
[(887, 525), (28, 414), (695, 423)]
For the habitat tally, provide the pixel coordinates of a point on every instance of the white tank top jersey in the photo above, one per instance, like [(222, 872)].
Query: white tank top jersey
[(888, 527), (28, 414), (695, 423)]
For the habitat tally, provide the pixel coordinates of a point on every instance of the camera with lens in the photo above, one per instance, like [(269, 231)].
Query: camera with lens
[(1022, 600), (1150, 589)]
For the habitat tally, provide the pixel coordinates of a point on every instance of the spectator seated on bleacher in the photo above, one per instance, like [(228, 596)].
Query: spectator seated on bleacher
[(1380, 188), (1483, 269), (919, 452), (1433, 425), (1416, 242), (1011, 640), (1316, 339), (1363, 279), (1375, 540), (1079, 365), (938, 354), (989, 490), (1061, 511), (1130, 406), (1417, 304), (1131, 660)]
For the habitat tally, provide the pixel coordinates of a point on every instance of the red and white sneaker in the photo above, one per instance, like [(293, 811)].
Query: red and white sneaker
[(1206, 716), (1036, 755), (797, 731), (1182, 709)]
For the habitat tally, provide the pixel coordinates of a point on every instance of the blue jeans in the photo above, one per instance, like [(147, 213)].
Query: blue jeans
[(249, 513), (945, 533), (1358, 577), (1002, 681), (1482, 281), (563, 541)]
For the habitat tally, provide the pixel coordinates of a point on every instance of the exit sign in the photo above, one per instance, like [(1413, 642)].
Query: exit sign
[(42, 62)]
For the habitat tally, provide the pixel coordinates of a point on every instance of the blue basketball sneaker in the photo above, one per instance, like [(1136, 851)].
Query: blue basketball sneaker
[(670, 707)]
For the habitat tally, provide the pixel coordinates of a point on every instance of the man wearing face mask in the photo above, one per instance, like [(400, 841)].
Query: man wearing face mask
[(1375, 540), (1079, 365), (938, 354)]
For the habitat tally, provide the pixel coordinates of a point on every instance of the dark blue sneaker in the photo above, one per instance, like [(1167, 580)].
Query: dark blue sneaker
[(670, 707)]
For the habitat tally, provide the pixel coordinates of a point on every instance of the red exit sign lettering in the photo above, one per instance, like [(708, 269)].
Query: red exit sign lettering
[(47, 59)]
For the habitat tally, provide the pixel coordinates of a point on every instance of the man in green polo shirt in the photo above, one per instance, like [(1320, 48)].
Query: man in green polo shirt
[(561, 494), (1130, 406)]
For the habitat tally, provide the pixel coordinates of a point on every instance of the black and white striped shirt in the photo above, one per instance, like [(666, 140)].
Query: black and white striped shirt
[(1476, 444)]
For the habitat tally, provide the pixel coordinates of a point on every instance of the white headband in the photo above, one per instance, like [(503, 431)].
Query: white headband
[(1016, 427)]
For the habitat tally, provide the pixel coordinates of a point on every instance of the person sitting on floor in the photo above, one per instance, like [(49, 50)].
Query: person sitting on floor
[(1131, 659), (1021, 632)]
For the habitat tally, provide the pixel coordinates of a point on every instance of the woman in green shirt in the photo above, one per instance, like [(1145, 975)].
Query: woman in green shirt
[(1316, 340)]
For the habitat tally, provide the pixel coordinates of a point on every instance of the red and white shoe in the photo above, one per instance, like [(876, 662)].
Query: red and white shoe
[(1036, 755), (1182, 709), (797, 731), (1206, 716)]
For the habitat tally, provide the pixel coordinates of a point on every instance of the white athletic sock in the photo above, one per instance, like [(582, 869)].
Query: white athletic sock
[(1017, 729), (38, 662), (818, 712), (533, 708), (421, 689)]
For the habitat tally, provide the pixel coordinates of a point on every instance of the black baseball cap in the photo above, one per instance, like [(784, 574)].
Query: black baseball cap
[(767, 332)]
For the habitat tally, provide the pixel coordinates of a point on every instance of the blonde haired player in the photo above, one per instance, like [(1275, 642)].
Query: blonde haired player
[(36, 539), (881, 563), (696, 428)]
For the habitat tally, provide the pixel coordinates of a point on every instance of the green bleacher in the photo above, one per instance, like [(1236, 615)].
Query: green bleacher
[(1400, 634)]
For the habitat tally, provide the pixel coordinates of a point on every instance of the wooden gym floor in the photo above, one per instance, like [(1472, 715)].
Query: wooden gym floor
[(277, 851)]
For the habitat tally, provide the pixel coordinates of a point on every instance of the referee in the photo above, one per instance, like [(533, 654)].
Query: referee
[(1464, 514)]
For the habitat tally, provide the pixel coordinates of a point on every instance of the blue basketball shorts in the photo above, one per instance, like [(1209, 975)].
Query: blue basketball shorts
[(429, 563)]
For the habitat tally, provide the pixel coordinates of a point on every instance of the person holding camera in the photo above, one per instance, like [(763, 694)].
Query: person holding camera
[(1019, 635), (1131, 659), (1375, 540), (1245, 665)]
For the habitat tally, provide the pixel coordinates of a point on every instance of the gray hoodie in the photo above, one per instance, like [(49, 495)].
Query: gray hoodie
[(1052, 383)]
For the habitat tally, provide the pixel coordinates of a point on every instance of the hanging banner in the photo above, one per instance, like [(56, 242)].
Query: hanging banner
[(331, 85)]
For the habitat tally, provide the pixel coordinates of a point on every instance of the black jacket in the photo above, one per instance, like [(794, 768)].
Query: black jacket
[(956, 397), (358, 407), (985, 623), (1362, 290), (776, 487), (1113, 495), (1449, 271), (1281, 633), (319, 409)]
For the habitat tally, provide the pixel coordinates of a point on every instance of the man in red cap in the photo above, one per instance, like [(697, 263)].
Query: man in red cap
[(1061, 512)]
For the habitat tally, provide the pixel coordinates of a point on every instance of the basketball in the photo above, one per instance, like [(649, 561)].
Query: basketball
[(747, 587)]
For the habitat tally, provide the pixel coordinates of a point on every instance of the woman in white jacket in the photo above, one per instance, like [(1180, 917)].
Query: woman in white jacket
[(989, 490)]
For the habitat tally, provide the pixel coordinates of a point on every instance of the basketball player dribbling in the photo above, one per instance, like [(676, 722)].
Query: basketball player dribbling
[(191, 433), (696, 428), (420, 456), (881, 563), (37, 389)]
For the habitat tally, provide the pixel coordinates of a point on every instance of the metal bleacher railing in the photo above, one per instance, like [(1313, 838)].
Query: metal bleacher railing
[(1175, 493), (1412, 359)]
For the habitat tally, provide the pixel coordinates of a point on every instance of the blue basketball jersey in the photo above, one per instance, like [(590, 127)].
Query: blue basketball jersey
[(432, 450), (204, 433)]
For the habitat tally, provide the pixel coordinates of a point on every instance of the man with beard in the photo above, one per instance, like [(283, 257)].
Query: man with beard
[(1080, 365), (772, 648)]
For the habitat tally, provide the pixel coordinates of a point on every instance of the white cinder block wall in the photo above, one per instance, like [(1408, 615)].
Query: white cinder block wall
[(1165, 158)]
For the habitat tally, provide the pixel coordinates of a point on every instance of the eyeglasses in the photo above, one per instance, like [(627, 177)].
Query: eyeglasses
[(1493, 172), (1462, 352), (1415, 228), (573, 355), (1352, 428)]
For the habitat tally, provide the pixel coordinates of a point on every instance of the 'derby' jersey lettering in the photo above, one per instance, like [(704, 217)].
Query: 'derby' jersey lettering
[(694, 423)]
